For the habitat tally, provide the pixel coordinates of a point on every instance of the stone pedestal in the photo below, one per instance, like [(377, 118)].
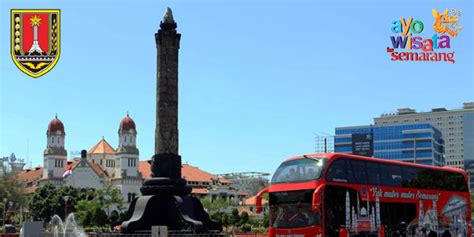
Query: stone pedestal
[(166, 202)]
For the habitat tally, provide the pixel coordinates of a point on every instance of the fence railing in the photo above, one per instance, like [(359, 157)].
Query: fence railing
[(169, 234)]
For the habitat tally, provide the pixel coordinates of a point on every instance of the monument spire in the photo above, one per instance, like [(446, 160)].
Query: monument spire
[(167, 43), (166, 200), (168, 18)]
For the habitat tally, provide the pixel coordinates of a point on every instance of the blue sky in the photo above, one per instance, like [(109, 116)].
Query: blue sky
[(257, 79)]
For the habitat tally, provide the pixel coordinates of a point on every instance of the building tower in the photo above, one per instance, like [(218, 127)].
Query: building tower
[(55, 156), (127, 178), (127, 152)]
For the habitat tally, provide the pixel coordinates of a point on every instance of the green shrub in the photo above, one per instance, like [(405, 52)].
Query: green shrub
[(246, 228)]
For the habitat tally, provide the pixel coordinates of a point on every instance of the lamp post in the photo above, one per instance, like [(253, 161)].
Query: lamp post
[(4, 211), (66, 198)]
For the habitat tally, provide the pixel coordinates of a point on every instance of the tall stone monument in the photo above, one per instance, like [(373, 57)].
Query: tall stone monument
[(166, 200)]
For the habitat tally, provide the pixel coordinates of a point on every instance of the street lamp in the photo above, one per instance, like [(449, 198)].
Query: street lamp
[(4, 212), (66, 198)]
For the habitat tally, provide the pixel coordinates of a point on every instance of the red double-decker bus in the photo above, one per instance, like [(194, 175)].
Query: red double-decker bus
[(347, 195)]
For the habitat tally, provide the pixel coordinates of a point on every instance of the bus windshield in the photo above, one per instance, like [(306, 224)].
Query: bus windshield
[(299, 170), (292, 210)]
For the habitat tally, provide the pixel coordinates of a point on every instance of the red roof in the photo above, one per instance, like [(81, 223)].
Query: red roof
[(93, 166), (55, 125), (30, 174), (29, 177), (192, 173), (199, 191), (145, 168), (97, 168), (188, 172), (127, 123), (251, 201), (102, 147)]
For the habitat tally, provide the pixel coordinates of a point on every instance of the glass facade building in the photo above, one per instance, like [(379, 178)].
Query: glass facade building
[(417, 143)]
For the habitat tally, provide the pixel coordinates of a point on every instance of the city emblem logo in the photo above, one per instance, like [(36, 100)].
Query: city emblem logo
[(35, 40), (412, 45)]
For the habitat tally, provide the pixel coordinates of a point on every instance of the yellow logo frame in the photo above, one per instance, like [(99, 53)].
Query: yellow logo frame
[(13, 31)]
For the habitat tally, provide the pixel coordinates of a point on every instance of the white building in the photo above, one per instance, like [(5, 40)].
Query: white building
[(456, 126), (103, 165), (120, 167)]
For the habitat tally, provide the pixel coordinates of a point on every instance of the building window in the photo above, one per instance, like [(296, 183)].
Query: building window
[(58, 163), (132, 162)]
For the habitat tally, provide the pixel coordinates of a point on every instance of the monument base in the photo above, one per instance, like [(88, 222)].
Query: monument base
[(166, 202), (176, 212)]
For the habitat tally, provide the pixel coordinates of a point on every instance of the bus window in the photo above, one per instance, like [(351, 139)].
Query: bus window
[(373, 173), (299, 170), (337, 171), (445, 180), (292, 209), (358, 168), (409, 176), (350, 172), (391, 175), (454, 182)]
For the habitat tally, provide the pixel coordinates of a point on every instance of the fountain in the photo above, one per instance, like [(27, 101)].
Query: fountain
[(68, 228)]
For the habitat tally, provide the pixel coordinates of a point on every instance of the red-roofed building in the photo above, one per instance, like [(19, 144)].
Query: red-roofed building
[(204, 184), (103, 163), (250, 205), (119, 167), (30, 178)]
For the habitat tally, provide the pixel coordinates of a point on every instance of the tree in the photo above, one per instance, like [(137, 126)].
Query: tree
[(218, 205), (45, 203), (109, 197), (97, 209), (266, 220), (12, 189), (90, 213), (234, 217), (48, 201), (472, 204), (244, 218)]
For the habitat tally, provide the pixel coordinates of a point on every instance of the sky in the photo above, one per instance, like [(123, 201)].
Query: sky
[(258, 80)]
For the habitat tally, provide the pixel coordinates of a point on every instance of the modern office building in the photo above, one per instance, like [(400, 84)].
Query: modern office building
[(419, 143), (457, 127)]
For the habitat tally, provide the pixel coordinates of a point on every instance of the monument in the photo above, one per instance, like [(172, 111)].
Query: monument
[(166, 200)]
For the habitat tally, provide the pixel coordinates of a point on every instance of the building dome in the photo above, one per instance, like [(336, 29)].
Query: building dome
[(55, 125), (127, 123)]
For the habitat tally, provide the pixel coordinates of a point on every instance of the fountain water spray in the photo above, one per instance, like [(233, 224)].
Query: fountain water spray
[(68, 228)]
